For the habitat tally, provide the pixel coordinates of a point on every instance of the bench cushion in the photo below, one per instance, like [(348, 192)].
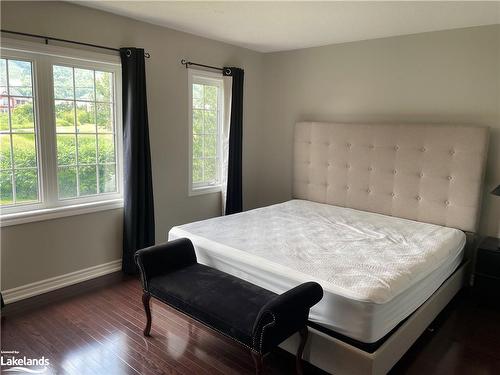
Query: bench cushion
[(221, 301)]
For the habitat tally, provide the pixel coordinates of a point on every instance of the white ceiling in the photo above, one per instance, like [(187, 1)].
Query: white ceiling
[(279, 26)]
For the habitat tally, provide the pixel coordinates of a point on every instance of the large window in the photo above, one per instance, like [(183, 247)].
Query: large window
[(59, 131), (205, 111)]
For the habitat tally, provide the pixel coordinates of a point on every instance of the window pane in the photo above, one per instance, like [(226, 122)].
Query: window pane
[(84, 84), (88, 180), (197, 146), (86, 149), (6, 188), (18, 150), (66, 181), (210, 170), (5, 161), (66, 149), (89, 114), (85, 117), (4, 100), (3, 73), (21, 111), (106, 148), (107, 178), (198, 121), (65, 116), (197, 170), (20, 78), (104, 117), (26, 185), (103, 86), (4, 114), (210, 97), (210, 122), (24, 150), (205, 133), (63, 82), (198, 103), (210, 145), (198, 91)]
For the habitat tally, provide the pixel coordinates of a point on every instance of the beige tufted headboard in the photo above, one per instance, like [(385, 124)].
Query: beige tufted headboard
[(427, 173)]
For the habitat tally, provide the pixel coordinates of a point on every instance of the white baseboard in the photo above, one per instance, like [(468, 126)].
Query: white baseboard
[(53, 283)]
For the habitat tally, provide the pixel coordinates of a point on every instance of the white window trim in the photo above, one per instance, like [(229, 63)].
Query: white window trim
[(211, 78), (58, 212), (50, 207)]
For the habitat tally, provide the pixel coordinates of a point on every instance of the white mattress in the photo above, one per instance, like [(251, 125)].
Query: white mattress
[(375, 269)]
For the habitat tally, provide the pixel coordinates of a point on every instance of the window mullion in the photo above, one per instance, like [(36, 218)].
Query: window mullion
[(46, 131)]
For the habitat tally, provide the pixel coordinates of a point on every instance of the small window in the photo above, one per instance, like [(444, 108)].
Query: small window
[(205, 112)]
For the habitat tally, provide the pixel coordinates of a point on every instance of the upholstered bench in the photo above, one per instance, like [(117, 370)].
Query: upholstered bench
[(254, 317)]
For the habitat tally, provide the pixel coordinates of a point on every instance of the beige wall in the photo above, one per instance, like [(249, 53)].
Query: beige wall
[(449, 77), (37, 251)]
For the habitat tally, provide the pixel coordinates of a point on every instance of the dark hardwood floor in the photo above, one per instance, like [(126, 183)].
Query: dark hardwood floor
[(96, 328)]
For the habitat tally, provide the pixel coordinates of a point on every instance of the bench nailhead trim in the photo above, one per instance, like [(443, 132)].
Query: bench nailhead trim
[(270, 324)]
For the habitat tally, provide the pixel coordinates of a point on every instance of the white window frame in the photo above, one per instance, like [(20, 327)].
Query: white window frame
[(43, 57), (210, 78)]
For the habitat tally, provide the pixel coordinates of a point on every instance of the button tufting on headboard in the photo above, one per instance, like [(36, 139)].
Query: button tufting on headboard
[(403, 165)]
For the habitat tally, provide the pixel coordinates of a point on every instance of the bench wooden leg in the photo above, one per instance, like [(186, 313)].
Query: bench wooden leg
[(257, 360), (145, 300), (303, 338)]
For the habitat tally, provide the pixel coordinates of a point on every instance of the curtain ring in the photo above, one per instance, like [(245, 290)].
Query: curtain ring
[(129, 53), (227, 71)]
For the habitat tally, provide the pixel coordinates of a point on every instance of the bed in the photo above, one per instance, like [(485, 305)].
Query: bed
[(374, 269), (382, 218)]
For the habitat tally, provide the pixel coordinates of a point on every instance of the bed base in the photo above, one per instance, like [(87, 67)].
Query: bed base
[(337, 357)]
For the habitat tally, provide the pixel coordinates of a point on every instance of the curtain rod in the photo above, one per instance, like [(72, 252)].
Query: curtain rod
[(188, 63), (47, 38)]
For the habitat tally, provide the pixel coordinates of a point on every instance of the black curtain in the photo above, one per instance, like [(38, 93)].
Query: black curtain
[(139, 223), (234, 197)]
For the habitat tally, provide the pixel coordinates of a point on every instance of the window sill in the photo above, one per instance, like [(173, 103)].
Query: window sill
[(58, 212), (205, 190)]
